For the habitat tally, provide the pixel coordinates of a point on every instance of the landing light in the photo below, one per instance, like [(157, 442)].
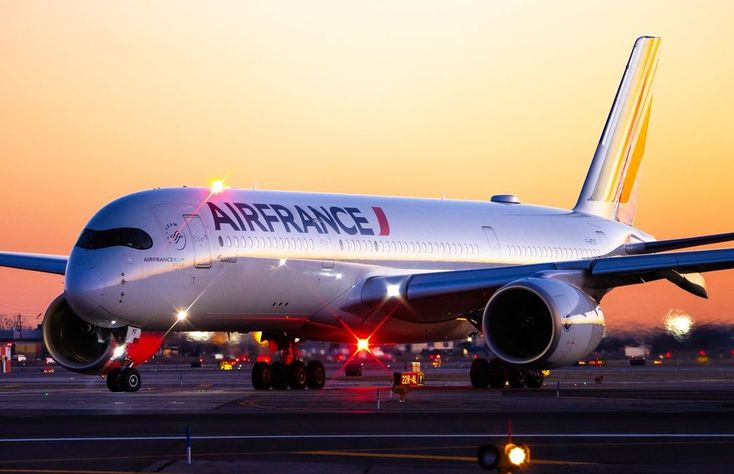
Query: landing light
[(281, 262), (393, 290), (118, 352), (181, 315)]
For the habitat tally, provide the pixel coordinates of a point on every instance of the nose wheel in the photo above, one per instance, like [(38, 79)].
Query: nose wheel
[(123, 380)]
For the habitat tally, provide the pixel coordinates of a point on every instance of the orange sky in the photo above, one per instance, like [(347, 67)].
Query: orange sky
[(416, 98)]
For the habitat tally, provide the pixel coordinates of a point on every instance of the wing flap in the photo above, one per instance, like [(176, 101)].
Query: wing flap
[(36, 262)]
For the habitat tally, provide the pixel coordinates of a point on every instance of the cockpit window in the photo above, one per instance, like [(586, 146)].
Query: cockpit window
[(124, 236)]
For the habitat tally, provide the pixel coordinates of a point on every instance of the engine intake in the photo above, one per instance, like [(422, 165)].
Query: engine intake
[(542, 322), (72, 342)]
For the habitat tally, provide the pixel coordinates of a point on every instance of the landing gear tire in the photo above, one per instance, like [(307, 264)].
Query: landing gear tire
[(296, 374), (113, 380), (315, 375), (534, 378), (261, 376), (516, 377), (479, 373), (278, 376), (497, 373), (129, 380)]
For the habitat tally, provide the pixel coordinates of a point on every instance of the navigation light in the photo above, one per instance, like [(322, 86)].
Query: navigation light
[(217, 186)]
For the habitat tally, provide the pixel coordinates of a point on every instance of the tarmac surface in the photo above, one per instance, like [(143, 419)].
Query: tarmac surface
[(637, 420)]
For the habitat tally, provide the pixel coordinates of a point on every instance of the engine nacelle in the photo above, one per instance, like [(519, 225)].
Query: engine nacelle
[(542, 323), (82, 347)]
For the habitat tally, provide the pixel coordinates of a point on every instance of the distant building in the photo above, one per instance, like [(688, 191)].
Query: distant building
[(28, 342)]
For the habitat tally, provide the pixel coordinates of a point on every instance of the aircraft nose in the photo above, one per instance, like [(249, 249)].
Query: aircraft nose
[(84, 289)]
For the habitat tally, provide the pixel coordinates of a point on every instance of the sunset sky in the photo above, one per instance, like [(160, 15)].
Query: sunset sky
[(411, 98)]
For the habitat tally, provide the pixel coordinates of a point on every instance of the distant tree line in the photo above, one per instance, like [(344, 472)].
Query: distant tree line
[(717, 340)]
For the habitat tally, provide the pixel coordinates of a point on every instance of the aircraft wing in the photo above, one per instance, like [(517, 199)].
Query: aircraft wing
[(458, 292), (33, 261)]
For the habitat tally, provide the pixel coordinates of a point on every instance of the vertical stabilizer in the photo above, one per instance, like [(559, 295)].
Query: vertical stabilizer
[(610, 189)]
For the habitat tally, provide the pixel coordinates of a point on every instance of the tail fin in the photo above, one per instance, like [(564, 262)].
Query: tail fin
[(610, 189)]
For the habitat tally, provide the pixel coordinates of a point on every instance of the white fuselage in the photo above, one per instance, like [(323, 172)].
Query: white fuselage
[(248, 260)]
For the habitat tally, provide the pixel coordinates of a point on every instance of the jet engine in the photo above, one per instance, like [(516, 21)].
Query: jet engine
[(82, 347), (542, 323)]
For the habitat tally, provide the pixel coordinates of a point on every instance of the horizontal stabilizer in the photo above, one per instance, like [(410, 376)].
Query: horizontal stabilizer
[(676, 244)]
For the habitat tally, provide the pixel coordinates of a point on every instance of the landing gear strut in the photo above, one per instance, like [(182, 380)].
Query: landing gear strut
[(288, 372), (494, 373)]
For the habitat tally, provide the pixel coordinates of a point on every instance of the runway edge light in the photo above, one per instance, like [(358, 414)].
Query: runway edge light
[(511, 458)]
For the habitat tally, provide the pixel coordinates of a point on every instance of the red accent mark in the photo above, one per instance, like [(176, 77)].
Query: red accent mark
[(382, 220)]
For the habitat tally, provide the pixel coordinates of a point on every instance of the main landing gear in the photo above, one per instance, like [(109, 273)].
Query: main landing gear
[(123, 380), (289, 371), (496, 374)]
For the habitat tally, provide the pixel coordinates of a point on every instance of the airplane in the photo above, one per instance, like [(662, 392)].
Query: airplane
[(339, 268)]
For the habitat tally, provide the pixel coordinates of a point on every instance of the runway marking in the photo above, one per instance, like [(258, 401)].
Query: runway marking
[(426, 457), (363, 454), (59, 471), (369, 436)]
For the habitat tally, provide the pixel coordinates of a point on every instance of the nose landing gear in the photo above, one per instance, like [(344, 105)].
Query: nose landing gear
[(288, 372), (123, 380)]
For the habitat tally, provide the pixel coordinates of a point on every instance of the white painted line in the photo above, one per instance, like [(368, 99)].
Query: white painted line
[(371, 436)]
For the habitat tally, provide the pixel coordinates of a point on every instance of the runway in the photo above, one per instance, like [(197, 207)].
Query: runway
[(639, 419)]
